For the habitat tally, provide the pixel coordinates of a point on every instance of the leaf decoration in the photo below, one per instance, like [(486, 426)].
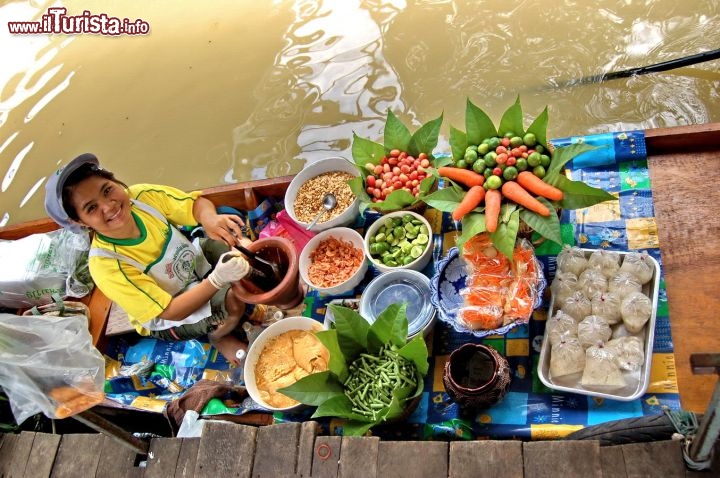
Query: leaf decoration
[(365, 151), (445, 199), (478, 124), (314, 389), (352, 331), (577, 194), (396, 134), (337, 363), (472, 224), (458, 143), (425, 139), (388, 328), (539, 127), (561, 156), (512, 120), (416, 352), (506, 233), (548, 227)]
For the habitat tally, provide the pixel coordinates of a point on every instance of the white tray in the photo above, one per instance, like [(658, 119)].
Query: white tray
[(637, 382)]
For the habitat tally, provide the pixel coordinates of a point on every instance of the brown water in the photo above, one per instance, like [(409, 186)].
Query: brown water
[(229, 90)]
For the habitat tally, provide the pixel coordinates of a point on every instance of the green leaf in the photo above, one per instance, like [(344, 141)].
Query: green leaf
[(458, 143), (352, 330), (416, 352), (339, 406), (539, 127), (506, 233), (561, 156), (357, 428), (577, 194), (426, 185), (478, 124), (390, 327), (425, 138), (315, 388), (472, 224), (506, 212), (512, 120), (442, 161), (397, 199), (337, 364), (396, 135), (357, 186), (445, 199), (548, 227), (365, 151)]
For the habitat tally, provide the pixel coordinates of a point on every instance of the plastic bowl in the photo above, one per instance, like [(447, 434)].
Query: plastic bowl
[(341, 233), (402, 285), (419, 263), (277, 328), (313, 170)]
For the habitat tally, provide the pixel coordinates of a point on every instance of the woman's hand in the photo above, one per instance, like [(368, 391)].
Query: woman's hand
[(221, 227)]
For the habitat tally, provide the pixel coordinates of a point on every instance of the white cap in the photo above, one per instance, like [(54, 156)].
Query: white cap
[(240, 354)]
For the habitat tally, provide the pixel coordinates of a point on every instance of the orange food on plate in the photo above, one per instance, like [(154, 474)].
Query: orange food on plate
[(333, 262), (497, 291)]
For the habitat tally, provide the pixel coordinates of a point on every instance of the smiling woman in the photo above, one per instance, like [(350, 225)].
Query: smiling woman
[(252, 91)]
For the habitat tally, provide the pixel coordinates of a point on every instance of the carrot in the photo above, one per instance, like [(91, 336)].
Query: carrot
[(537, 186), (472, 199), (516, 193), (492, 209), (463, 176)]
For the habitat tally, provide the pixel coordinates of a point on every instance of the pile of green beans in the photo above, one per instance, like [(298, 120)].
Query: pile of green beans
[(372, 379)]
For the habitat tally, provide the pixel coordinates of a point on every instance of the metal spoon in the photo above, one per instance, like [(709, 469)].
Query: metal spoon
[(328, 203)]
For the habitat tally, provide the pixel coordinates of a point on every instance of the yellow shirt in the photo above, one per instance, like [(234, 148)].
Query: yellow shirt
[(133, 290)]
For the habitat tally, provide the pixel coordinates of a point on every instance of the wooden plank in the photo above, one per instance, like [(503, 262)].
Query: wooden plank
[(486, 459), (42, 456), (358, 457), (306, 444), (684, 193), (21, 454), (7, 447), (116, 461), (613, 462), (682, 138), (276, 450), (162, 456), (416, 459), (648, 459), (187, 459), (77, 454), (326, 457), (550, 459), (226, 450)]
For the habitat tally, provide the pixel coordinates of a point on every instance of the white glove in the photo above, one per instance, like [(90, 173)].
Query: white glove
[(231, 267)]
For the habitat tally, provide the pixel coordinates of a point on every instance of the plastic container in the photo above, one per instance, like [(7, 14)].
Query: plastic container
[(399, 286), (637, 383)]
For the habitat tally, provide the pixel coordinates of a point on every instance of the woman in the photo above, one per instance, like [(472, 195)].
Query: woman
[(140, 260)]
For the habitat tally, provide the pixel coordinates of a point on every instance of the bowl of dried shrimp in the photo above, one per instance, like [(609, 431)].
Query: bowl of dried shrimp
[(482, 292), (303, 197), (333, 262)]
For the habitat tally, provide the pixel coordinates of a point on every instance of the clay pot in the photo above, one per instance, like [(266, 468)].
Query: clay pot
[(476, 376), (288, 292)]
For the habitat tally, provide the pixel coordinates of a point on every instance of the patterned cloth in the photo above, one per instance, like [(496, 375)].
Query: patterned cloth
[(529, 411)]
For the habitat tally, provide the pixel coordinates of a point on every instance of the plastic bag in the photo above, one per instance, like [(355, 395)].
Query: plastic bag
[(40, 265), (48, 364)]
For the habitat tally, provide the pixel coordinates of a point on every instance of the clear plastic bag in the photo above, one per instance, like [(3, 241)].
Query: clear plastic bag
[(48, 364)]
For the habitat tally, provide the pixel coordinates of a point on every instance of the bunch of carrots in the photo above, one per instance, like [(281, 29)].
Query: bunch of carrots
[(497, 291), (517, 190)]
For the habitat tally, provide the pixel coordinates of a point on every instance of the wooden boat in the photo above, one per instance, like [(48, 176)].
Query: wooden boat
[(684, 165)]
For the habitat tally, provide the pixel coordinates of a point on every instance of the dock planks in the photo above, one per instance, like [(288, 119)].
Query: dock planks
[(296, 450)]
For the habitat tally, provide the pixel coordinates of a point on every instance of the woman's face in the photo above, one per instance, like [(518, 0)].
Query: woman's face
[(103, 206)]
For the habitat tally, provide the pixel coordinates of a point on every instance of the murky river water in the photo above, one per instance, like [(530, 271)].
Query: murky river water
[(228, 90)]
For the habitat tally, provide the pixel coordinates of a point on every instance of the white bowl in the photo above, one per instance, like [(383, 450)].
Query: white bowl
[(316, 169), (342, 233), (277, 328), (419, 263)]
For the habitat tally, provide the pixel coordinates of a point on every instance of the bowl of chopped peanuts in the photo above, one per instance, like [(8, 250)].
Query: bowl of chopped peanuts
[(333, 262), (303, 197)]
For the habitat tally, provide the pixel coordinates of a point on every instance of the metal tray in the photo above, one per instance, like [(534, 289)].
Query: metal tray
[(637, 382)]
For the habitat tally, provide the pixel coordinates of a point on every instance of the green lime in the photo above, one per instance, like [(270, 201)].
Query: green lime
[(493, 143), (493, 182), (509, 134), (539, 171), (471, 156), (510, 173), (521, 164), (421, 239), (483, 148), (490, 159), (399, 232), (407, 260), (529, 140), (544, 160), (540, 148), (533, 159), (472, 147), (479, 166), (516, 141), (487, 173), (461, 163), (416, 252)]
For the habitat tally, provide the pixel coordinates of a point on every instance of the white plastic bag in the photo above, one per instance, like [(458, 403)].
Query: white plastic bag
[(40, 265), (48, 364)]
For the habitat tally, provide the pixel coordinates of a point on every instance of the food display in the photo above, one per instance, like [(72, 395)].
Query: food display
[(284, 360), (396, 171), (308, 202), (399, 240), (600, 327), (498, 291), (333, 262)]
